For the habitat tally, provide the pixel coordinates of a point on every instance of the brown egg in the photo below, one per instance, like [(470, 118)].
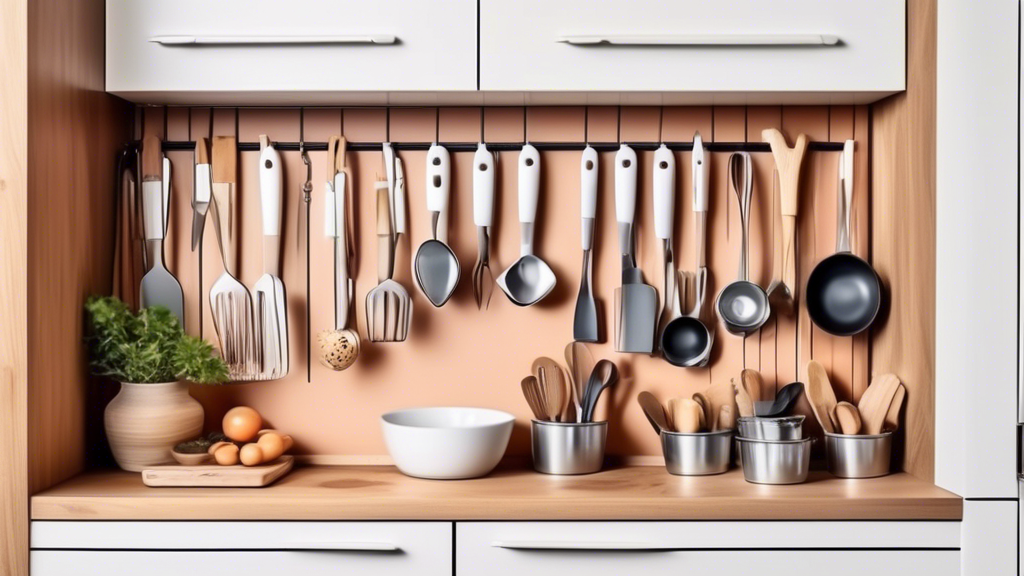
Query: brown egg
[(242, 423), (272, 445), (251, 455), (226, 455), (216, 446)]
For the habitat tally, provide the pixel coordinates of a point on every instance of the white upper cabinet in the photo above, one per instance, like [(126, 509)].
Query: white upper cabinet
[(786, 50), (274, 51)]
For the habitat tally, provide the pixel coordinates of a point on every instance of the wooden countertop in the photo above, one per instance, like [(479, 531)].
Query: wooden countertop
[(382, 493)]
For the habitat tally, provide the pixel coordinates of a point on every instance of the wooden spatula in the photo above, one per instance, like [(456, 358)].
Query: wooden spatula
[(654, 411), (874, 404), (553, 387), (892, 417), (848, 418), (705, 406), (719, 395), (820, 395), (743, 402), (531, 390), (686, 415)]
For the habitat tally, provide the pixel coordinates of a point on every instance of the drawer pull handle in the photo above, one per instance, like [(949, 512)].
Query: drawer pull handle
[(270, 40), (703, 40), (585, 545), (342, 547)]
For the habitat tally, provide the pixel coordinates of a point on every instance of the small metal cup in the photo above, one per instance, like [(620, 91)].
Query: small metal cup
[(779, 428), (568, 448), (699, 454), (775, 461), (866, 456)]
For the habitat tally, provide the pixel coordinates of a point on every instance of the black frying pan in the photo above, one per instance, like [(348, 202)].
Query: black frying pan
[(843, 292)]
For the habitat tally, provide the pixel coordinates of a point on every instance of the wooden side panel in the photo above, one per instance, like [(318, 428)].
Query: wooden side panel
[(903, 183), (14, 188), (74, 132)]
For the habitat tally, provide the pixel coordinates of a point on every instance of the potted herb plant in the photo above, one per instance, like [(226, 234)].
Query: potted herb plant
[(153, 359)]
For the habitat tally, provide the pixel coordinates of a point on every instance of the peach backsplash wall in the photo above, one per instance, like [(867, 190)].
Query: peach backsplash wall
[(457, 355)]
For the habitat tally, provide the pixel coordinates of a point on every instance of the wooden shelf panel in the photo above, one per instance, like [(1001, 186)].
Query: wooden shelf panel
[(382, 493)]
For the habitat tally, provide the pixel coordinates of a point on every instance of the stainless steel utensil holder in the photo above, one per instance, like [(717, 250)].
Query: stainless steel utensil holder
[(698, 454), (775, 461), (778, 428), (861, 456), (568, 448)]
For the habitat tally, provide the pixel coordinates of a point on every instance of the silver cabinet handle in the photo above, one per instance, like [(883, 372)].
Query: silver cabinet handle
[(340, 547), (182, 40), (702, 40), (597, 546)]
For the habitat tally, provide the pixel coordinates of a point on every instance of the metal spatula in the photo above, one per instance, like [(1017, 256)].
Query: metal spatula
[(230, 301), (271, 303), (159, 287), (388, 306)]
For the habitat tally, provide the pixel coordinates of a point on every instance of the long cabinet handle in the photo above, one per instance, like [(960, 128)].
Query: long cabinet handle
[(702, 40), (597, 546), (339, 547), (270, 40)]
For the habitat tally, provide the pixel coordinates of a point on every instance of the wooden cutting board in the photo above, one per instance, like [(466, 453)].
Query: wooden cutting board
[(214, 476)]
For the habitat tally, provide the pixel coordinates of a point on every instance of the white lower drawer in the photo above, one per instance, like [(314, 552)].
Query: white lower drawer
[(250, 548), (665, 548)]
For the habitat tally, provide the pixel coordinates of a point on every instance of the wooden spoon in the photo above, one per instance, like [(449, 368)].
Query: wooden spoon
[(552, 386), (719, 395), (753, 384), (848, 418), (874, 404), (686, 415), (743, 402), (726, 419), (654, 411), (580, 361), (531, 390), (892, 417), (820, 395), (705, 406)]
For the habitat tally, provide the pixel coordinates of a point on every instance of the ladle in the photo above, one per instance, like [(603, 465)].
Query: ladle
[(529, 279), (784, 399), (743, 305), (843, 291), (437, 268), (686, 340)]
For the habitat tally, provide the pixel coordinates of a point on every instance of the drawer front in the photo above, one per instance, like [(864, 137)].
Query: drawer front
[(726, 45), (433, 49), (199, 548), (248, 562), (664, 548)]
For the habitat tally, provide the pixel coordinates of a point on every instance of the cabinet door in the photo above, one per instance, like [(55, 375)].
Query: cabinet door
[(251, 548), (784, 47), (196, 51), (673, 548)]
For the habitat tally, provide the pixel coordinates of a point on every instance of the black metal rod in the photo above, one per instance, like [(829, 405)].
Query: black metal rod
[(172, 146)]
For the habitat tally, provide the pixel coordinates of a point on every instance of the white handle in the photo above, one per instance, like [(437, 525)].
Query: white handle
[(664, 192), (153, 210), (438, 176), (187, 40), (588, 196), (588, 183), (574, 545), (701, 180), (340, 546), (204, 183), (399, 194), (338, 205), (389, 170), (700, 40), (529, 184), (483, 186), (625, 185), (166, 192), (271, 190)]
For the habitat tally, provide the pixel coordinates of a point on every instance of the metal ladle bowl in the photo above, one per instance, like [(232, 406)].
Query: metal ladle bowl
[(437, 271), (686, 341), (528, 280), (743, 305)]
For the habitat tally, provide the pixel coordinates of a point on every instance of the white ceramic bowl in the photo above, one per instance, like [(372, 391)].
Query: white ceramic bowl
[(447, 443)]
